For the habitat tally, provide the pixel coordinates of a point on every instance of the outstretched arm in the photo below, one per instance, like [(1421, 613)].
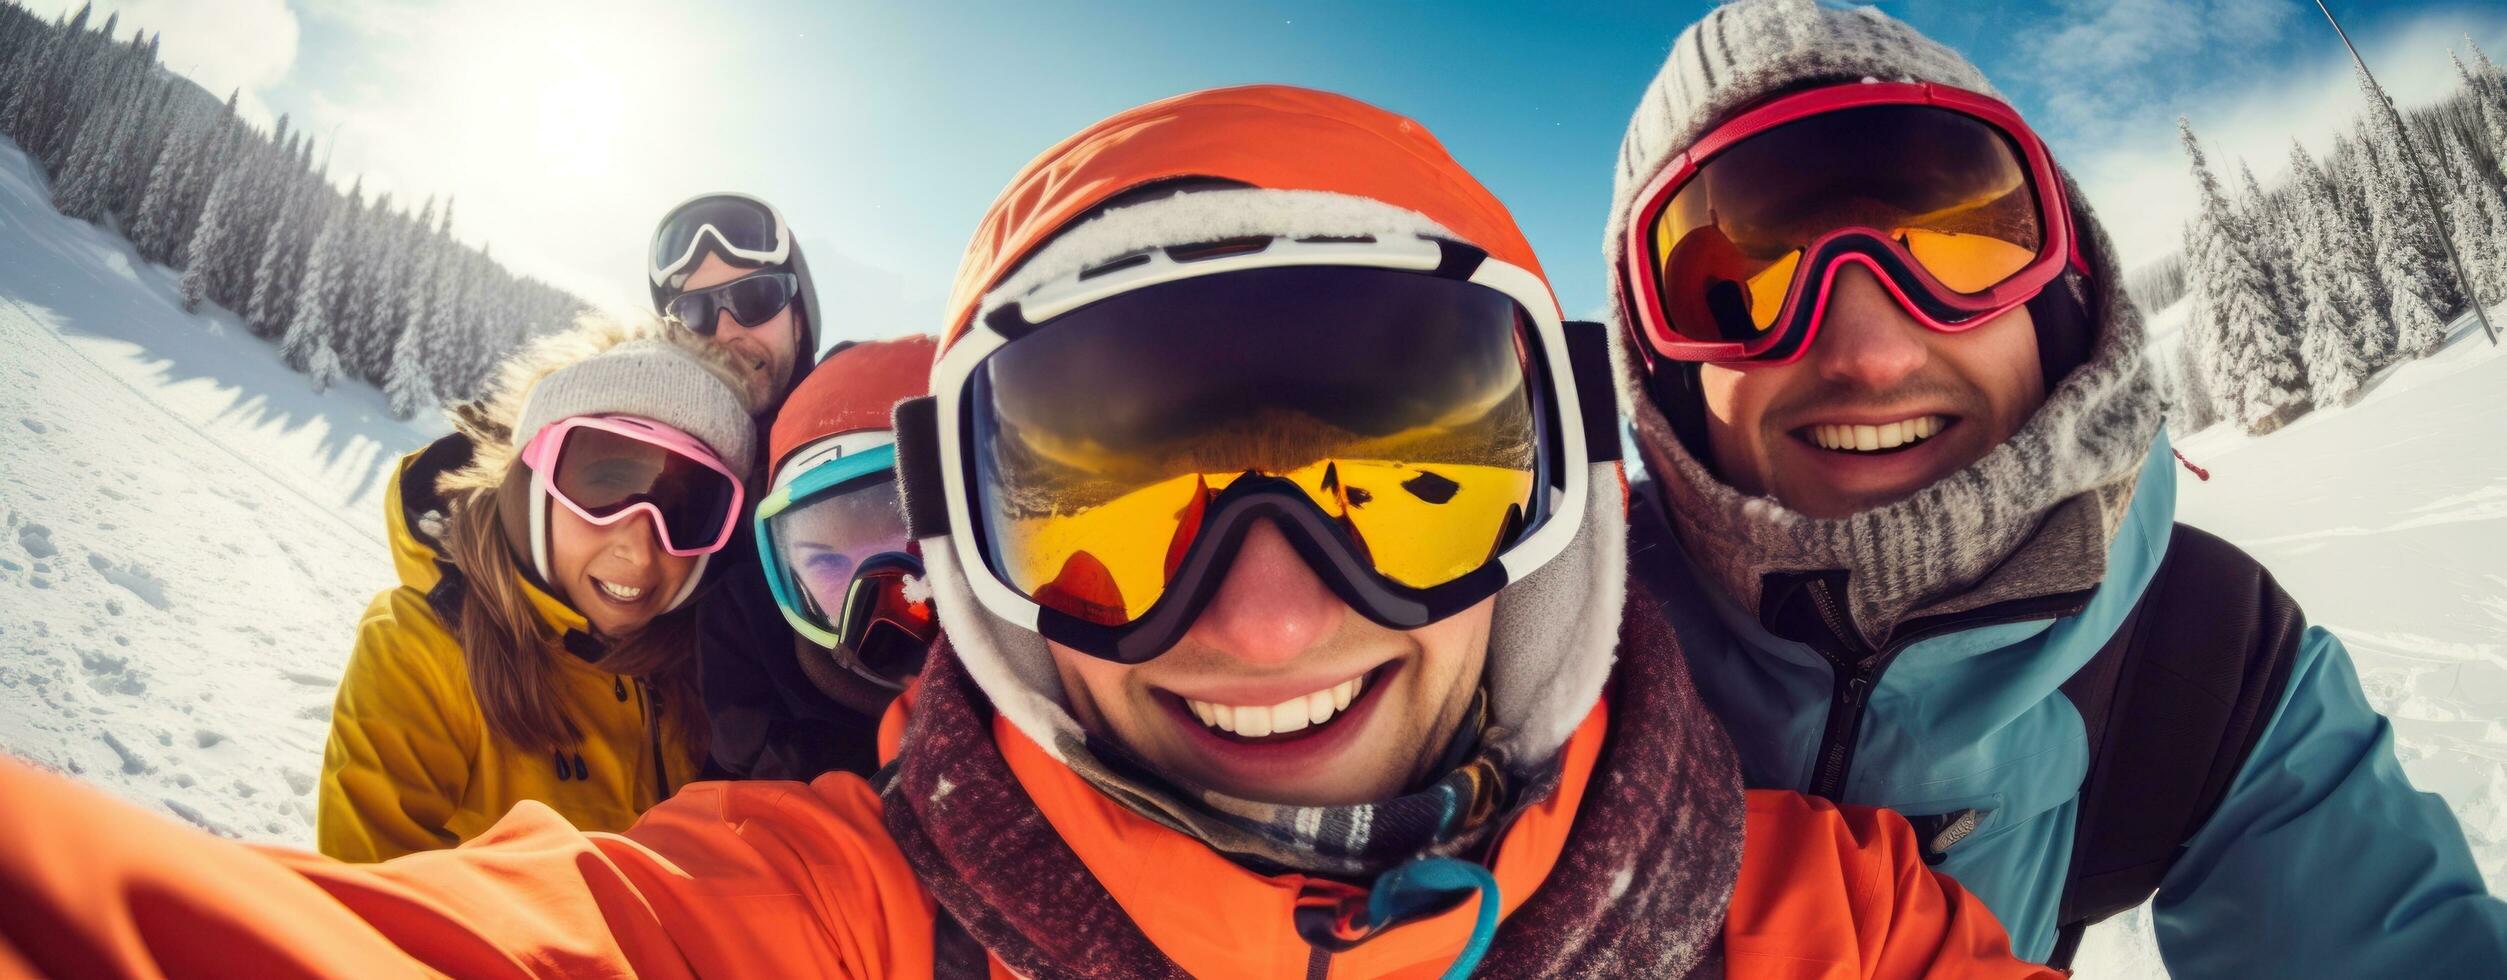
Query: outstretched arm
[(726, 879), (1833, 891), (2323, 861)]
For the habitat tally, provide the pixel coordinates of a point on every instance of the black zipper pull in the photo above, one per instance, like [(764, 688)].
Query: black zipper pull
[(618, 686), (563, 772)]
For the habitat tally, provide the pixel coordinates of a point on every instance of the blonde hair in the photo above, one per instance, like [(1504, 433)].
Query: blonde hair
[(505, 644)]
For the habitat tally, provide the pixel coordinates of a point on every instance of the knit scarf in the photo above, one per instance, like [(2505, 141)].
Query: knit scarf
[(1639, 889)]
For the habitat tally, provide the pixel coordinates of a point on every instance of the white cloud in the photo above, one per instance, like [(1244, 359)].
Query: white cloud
[(225, 46), (2125, 153), (2110, 57)]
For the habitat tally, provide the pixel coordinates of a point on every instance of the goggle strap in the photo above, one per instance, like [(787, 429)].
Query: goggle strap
[(919, 478), (539, 520), (696, 576), (1588, 362)]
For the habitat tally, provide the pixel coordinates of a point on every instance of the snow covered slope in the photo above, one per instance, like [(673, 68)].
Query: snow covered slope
[(2387, 521), (190, 533)]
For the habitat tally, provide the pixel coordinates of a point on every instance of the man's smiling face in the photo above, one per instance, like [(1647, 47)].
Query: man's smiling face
[(767, 353), (1878, 408), (1281, 693)]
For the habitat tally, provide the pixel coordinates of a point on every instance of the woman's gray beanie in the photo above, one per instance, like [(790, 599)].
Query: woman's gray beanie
[(648, 379)]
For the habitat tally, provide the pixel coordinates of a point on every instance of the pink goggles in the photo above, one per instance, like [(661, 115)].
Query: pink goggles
[(605, 468)]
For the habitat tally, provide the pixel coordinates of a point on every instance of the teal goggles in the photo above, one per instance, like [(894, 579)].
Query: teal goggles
[(833, 543)]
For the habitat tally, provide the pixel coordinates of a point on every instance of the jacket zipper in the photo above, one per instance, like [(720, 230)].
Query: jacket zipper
[(653, 732), (1855, 680)]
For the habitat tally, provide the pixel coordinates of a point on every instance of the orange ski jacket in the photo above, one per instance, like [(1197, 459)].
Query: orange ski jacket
[(787, 879)]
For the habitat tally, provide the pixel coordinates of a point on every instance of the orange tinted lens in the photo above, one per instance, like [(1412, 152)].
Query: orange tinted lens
[(1967, 262), (1398, 404), (1949, 186)]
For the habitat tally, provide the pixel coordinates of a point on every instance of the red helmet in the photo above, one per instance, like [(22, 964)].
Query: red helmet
[(852, 390)]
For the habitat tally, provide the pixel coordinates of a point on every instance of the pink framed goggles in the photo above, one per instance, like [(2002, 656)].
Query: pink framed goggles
[(1945, 195), (605, 468)]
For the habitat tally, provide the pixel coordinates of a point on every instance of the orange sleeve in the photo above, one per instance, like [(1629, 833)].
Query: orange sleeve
[(892, 721), (725, 879), (1843, 893)]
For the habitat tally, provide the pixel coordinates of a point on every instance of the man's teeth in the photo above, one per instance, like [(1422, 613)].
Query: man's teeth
[(1287, 716), (1871, 438), (620, 592)]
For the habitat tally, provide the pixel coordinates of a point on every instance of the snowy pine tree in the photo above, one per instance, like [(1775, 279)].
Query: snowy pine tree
[(2271, 239), (2480, 221), (2196, 408), (154, 229), (85, 75), (321, 363), (36, 99), (407, 384), (2333, 268), (2332, 285), (2350, 169), (455, 323), (2490, 86), (313, 336), (220, 221), (448, 314), (374, 307), (265, 163), (2489, 101), (2254, 366), (2410, 259), (282, 265), (152, 130), (409, 389), (90, 179)]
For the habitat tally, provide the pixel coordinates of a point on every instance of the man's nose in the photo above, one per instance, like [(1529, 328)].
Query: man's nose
[(1271, 608), (1865, 338)]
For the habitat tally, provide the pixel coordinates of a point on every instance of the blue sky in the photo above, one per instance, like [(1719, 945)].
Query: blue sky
[(565, 127)]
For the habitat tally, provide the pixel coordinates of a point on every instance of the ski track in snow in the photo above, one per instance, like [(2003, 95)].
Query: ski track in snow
[(192, 533)]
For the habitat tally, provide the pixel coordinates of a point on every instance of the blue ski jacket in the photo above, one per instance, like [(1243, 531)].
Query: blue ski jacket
[(2322, 860)]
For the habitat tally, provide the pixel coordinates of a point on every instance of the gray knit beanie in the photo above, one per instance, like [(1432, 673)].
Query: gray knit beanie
[(1745, 52), (648, 379), (2062, 481)]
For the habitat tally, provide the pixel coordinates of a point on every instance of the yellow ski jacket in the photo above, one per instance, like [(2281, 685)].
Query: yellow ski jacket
[(411, 765)]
